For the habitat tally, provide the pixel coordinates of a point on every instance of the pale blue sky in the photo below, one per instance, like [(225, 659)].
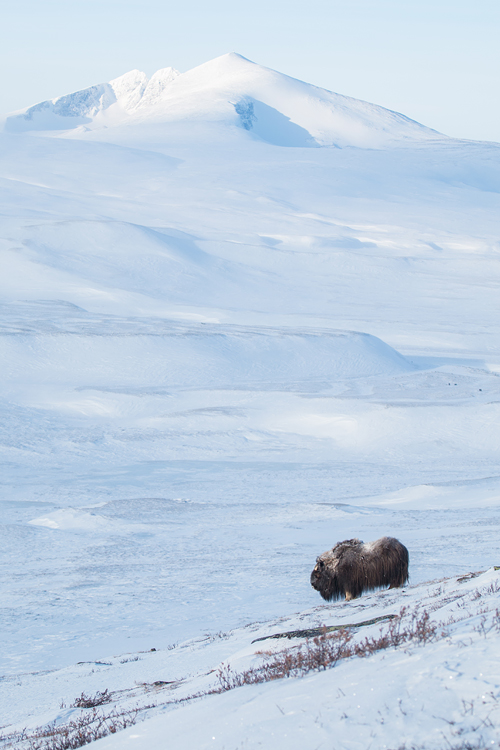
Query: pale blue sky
[(437, 62)]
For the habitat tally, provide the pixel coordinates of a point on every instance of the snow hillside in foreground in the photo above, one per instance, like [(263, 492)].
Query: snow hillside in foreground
[(220, 356), (233, 91), (429, 679)]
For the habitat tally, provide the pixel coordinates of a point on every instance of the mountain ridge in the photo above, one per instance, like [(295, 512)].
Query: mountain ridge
[(231, 90)]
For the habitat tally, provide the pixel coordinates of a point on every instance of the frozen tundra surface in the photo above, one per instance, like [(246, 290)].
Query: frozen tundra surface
[(440, 686)]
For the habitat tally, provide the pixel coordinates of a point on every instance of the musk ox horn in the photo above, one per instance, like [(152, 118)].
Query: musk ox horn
[(351, 568)]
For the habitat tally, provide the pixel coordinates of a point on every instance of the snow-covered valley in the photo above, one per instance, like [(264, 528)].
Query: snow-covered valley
[(226, 345)]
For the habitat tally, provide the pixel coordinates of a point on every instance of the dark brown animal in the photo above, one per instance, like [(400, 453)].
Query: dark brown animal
[(351, 568)]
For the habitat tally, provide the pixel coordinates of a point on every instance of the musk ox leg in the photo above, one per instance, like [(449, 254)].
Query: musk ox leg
[(349, 596)]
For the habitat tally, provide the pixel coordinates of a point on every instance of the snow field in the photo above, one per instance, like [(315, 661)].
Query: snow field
[(221, 354)]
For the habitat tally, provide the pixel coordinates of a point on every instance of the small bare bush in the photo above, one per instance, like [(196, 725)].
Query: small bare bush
[(91, 701), (496, 620), (493, 588)]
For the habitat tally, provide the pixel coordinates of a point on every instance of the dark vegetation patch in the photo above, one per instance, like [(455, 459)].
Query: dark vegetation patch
[(311, 632)]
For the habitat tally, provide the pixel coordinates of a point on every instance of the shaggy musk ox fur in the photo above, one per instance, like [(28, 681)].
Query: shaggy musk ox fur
[(351, 568)]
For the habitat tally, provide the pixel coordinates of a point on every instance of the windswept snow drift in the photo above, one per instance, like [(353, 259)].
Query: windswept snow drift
[(76, 520), (199, 357)]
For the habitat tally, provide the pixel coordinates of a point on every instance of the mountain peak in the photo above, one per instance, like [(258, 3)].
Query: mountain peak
[(234, 56), (129, 88)]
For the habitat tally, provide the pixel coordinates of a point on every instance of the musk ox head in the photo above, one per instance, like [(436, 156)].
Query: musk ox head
[(351, 568)]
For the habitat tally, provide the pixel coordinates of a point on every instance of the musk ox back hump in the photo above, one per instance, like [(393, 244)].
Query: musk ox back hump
[(352, 567)]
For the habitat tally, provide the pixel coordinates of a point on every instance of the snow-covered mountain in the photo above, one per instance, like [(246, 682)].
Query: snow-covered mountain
[(232, 91)]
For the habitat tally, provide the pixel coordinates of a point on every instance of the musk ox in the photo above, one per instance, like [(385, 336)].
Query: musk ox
[(351, 568)]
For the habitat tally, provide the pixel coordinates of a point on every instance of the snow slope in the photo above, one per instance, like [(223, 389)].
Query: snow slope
[(229, 90), (441, 690), (220, 354)]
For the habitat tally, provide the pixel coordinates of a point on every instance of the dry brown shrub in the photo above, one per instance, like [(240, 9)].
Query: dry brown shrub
[(91, 701), (86, 728), (324, 651)]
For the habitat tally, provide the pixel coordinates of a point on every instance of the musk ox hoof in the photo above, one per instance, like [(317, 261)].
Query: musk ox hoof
[(351, 568)]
